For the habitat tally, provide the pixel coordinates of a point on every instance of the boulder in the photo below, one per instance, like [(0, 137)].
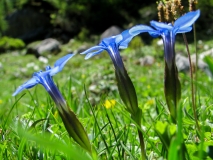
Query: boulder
[(82, 48), (183, 65), (146, 61), (49, 45), (111, 31), (206, 53)]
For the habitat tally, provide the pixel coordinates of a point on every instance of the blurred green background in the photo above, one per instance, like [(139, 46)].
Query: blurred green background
[(31, 20), (78, 25)]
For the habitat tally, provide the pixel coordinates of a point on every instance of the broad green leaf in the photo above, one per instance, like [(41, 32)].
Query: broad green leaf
[(54, 145), (209, 61), (161, 129)]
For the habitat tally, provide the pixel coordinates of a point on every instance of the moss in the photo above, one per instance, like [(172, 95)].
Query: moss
[(136, 43), (8, 43)]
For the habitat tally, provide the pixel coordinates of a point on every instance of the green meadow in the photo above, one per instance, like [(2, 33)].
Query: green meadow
[(31, 128)]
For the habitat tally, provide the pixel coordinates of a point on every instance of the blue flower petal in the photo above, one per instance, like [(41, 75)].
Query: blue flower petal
[(29, 84), (140, 29), (154, 35), (118, 39), (126, 38), (54, 71), (124, 44), (59, 64), (91, 54), (62, 61), (183, 30), (187, 20), (95, 48), (108, 41), (161, 26)]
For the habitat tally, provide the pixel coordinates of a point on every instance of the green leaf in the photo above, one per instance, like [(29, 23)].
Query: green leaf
[(210, 151), (54, 145), (209, 61), (177, 149), (173, 150), (161, 129), (21, 148)]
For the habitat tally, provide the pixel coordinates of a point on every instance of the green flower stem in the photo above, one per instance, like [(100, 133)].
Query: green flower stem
[(196, 64), (142, 144), (192, 84), (137, 119)]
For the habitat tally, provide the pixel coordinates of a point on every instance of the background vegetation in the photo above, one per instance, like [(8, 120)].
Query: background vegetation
[(75, 16), (30, 126)]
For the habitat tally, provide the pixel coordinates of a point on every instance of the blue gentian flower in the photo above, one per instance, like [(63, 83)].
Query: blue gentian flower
[(71, 122), (183, 24), (125, 86), (45, 79), (168, 32), (112, 46)]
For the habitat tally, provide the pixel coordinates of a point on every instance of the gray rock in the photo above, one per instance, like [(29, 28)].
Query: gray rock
[(182, 63), (82, 48), (146, 61), (206, 53), (201, 64), (112, 31), (49, 45)]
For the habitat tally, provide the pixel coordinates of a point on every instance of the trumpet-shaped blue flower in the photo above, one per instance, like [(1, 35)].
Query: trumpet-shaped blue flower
[(112, 46), (168, 32), (183, 24), (124, 83), (45, 78), (125, 86), (71, 122)]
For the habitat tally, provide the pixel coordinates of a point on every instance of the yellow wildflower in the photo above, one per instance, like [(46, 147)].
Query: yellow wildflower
[(149, 103), (83, 76), (55, 114), (109, 103)]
